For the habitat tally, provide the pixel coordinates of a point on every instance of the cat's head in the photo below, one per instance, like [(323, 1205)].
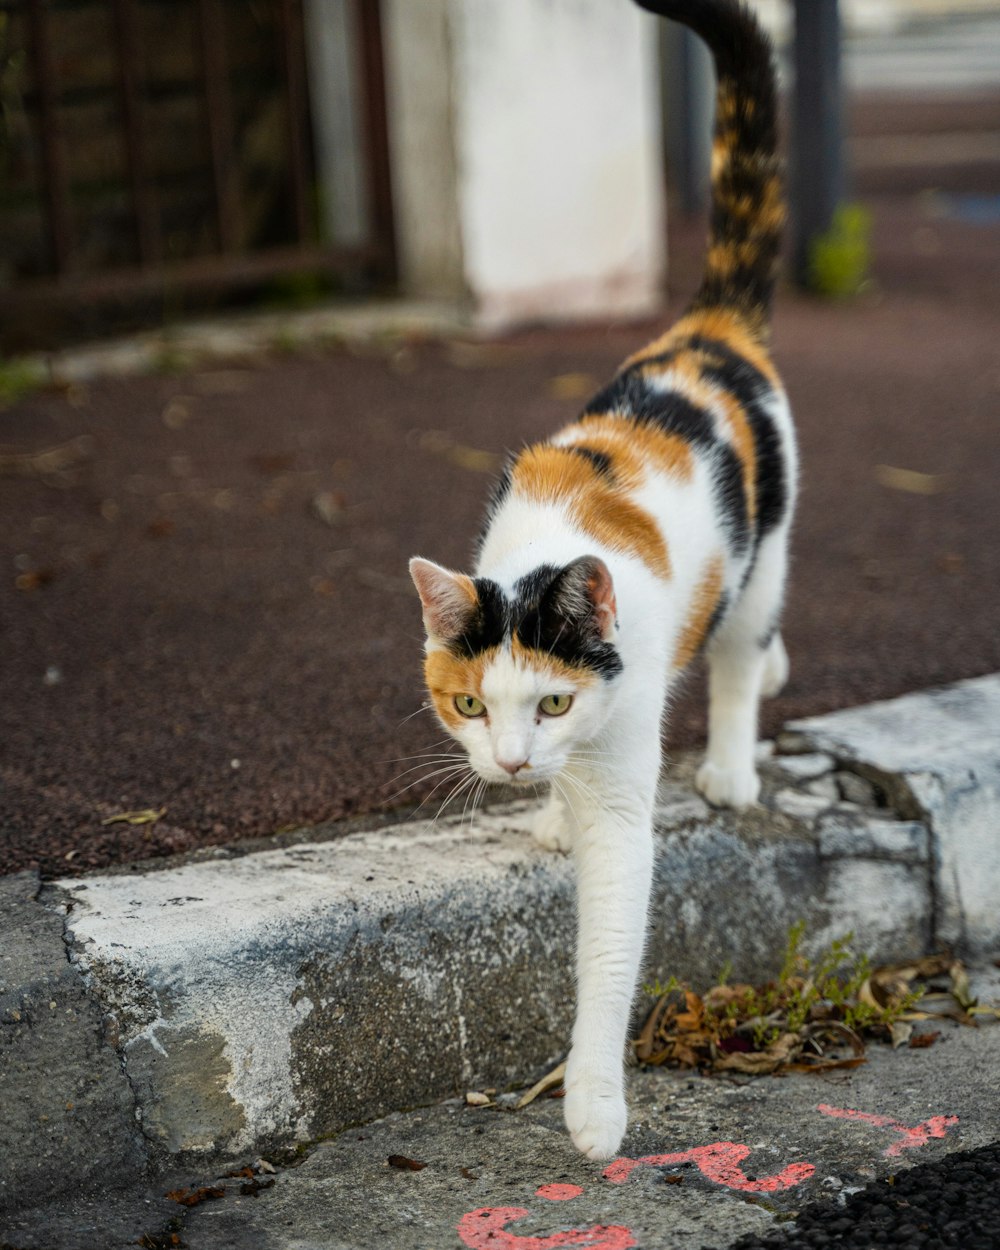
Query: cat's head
[(520, 678)]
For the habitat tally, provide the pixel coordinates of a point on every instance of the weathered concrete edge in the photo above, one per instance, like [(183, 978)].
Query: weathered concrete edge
[(391, 968), (936, 753), (283, 995), (242, 337), (67, 1111)]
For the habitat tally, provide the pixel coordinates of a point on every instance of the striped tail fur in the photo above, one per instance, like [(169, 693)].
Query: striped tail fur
[(748, 207)]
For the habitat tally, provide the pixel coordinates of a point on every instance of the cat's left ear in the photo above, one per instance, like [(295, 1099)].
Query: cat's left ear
[(584, 591), (449, 599)]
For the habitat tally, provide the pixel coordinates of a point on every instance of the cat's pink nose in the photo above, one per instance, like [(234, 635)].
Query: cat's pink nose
[(512, 766)]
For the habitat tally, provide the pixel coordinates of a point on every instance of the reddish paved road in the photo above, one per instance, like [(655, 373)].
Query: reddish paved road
[(215, 648)]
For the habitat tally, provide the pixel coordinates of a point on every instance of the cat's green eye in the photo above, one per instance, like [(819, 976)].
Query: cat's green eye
[(555, 704), (470, 706)]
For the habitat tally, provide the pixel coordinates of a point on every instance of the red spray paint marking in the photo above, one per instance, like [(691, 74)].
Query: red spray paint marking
[(720, 1163), (919, 1135), (486, 1229), (559, 1193)]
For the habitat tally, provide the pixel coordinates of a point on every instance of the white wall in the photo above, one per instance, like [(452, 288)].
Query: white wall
[(551, 123), (424, 169)]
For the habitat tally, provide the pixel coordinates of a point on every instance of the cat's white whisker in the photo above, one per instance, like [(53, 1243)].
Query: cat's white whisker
[(444, 773), (424, 707), (425, 762), (455, 792)]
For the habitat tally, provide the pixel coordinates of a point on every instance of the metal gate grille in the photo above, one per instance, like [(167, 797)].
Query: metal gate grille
[(162, 149)]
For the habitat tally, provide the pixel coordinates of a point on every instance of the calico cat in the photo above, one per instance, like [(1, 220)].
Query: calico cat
[(653, 528)]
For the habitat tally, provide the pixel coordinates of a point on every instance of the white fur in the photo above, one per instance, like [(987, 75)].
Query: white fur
[(602, 757)]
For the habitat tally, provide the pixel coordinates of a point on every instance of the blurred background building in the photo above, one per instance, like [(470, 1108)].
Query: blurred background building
[(158, 156)]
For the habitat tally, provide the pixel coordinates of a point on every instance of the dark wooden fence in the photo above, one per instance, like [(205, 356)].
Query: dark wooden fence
[(154, 153)]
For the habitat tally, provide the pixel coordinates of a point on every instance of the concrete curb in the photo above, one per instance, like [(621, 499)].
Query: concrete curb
[(243, 1001), (244, 337)]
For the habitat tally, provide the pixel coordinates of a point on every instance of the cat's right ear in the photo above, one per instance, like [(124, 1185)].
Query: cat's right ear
[(448, 599)]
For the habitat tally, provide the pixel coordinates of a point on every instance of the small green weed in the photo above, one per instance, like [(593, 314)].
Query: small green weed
[(805, 1018), (839, 260), (18, 378)]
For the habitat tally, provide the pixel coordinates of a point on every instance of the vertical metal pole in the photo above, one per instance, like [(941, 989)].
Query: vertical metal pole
[(698, 86), (376, 132), (144, 207), (291, 31), (689, 91), (219, 122), (62, 234), (817, 175)]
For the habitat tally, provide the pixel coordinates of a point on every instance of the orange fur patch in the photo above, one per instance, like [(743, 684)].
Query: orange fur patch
[(448, 675), (558, 671), (736, 419), (726, 325), (633, 446), (547, 473), (704, 601)]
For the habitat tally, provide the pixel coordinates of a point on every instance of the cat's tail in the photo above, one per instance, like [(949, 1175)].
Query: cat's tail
[(748, 208)]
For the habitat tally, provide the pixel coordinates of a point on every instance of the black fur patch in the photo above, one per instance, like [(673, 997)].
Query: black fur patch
[(631, 395), (530, 617), (599, 459), (489, 623), (732, 371), (731, 496)]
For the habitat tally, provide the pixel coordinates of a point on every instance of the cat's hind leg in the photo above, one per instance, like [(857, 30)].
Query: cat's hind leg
[(746, 659)]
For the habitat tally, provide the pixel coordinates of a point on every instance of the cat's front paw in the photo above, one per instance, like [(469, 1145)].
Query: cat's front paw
[(728, 787), (595, 1115), (550, 830)]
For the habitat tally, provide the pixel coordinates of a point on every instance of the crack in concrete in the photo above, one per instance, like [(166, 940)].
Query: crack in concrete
[(59, 901)]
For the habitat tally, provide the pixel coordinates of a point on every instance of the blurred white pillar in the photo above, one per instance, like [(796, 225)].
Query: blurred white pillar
[(334, 87), (527, 168)]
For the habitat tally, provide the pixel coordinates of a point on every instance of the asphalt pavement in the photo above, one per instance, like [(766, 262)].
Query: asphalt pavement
[(707, 1164), (209, 638), (206, 613)]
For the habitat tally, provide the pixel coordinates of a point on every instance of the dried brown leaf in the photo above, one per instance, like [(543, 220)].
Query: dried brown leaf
[(404, 1164), (250, 1189), (902, 1033), (51, 460), (474, 458), (194, 1197), (833, 1032), (824, 1065), (572, 385), (549, 1081), (719, 997), (910, 481), (960, 987), (147, 816), (328, 505), (34, 579), (755, 1063)]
